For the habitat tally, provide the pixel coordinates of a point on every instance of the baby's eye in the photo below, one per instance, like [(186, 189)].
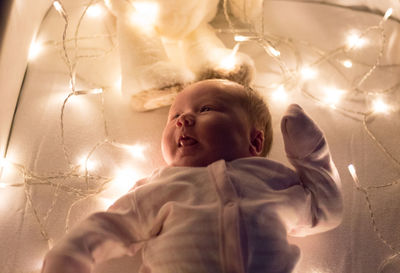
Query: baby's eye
[(175, 116), (205, 108)]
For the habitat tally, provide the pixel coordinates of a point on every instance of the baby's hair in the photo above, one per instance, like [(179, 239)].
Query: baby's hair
[(259, 115), (256, 108)]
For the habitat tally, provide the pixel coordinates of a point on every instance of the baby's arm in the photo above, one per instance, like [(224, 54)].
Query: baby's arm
[(101, 236), (307, 150)]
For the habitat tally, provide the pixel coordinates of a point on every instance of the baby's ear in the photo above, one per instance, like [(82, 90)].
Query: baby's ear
[(256, 142)]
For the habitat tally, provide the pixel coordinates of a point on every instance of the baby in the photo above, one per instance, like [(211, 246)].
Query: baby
[(219, 205)]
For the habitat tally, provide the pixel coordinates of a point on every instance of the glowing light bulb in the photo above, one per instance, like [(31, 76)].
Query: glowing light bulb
[(4, 167), (4, 163), (118, 83), (106, 202), (388, 13), (379, 106), (95, 11), (84, 164), (354, 40), (347, 63), (57, 5), (353, 174), (137, 150), (146, 13), (333, 96), (229, 62), (96, 91), (352, 170), (308, 73), (124, 180), (273, 51), (240, 38), (34, 50), (280, 94)]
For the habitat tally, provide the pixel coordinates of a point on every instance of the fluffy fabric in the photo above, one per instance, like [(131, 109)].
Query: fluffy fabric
[(153, 73)]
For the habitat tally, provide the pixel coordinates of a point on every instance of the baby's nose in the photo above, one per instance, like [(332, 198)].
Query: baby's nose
[(185, 120)]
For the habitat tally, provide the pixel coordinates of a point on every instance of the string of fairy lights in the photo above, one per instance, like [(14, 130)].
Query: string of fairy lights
[(332, 96), (291, 80)]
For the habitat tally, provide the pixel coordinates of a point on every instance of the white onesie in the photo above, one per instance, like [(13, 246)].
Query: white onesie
[(230, 217)]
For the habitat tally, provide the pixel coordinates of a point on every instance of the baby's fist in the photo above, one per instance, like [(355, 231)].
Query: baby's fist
[(301, 135)]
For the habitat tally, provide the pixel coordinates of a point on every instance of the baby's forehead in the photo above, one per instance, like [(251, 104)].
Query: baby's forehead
[(220, 92), (212, 90)]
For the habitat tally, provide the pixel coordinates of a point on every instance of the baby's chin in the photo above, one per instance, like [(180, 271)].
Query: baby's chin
[(192, 162), (198, 162)]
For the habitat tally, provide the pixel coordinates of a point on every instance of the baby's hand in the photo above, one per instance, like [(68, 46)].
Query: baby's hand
[(301, 135)]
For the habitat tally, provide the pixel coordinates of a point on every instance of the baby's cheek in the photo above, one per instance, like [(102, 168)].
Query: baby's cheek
[(166, 146)]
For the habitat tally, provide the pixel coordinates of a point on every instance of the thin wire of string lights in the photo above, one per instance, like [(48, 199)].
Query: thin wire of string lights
[(297, 77)]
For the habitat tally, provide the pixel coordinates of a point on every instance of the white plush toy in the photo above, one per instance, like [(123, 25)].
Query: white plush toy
[(165, 44)]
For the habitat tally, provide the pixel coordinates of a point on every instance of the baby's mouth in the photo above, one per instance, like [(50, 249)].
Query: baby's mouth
[(185, 141)]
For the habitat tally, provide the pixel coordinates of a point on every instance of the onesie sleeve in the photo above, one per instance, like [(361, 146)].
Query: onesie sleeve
[(308, 151), (102, 236)]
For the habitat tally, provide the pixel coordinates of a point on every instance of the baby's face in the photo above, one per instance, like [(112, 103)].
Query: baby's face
[(205, 124)]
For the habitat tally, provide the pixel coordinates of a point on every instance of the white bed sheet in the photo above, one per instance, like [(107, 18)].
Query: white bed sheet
[(40, 209)]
